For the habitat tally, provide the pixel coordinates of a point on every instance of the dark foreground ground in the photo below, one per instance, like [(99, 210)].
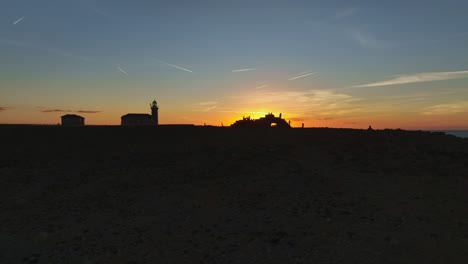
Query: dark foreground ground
[(218, 195)]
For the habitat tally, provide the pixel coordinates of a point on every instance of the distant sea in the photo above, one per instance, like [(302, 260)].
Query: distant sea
[(458, 133)]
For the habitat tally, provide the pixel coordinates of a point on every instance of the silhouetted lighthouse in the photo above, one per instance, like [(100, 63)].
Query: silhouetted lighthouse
[(132, 119), (154, 112)]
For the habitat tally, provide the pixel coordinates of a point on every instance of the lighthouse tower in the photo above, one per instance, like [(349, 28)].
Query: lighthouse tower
[(154, 112)]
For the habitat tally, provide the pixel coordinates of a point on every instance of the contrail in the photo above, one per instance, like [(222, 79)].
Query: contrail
[(301, 76), (17, 21), (243, 70), (175, 66), (124, 72)]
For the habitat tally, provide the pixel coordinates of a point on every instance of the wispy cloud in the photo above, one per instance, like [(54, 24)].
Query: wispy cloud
[(3, 108), (206, 106), (42, 48), (302, 75), (18, 20), (88, 111), (417, 78), (55, 111), (175, 66), (446, 109), (244, 70), (261, 87), (309, 97), (69, 111), (122, 71), (367, 40), (299, 104), (346, 13)]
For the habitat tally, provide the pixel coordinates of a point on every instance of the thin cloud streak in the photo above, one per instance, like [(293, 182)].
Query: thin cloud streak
[(367, 40), (17, 21), (244, 70), (55, 111), (206, 106), (446, 109), (261, 86), (177, 67), (124, 72), (301, 76), (417, 78), (299, 104), (44, 49), (70, 111), (3, 108), (88, 112)]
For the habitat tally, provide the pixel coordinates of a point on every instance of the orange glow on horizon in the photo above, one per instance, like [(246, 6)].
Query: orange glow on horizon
[(410, 121)]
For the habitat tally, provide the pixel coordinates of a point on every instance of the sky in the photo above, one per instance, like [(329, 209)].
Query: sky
[(389, 64)]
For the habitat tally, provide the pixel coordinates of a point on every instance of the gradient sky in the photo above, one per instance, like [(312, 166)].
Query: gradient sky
[(389, 64)]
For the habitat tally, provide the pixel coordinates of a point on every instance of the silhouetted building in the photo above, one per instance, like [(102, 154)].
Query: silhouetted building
[(72, 120), (268, 121), (142, 119)]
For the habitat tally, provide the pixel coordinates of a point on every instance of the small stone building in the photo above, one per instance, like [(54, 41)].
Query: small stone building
[(137, 120), (72, 120)]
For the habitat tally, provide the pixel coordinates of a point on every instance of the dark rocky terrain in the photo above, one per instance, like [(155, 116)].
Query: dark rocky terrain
[(223, 195)]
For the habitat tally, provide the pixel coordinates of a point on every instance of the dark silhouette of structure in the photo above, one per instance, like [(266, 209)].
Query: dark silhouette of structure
[(268, 121), (154, 112), (72, 120), (142, 119)]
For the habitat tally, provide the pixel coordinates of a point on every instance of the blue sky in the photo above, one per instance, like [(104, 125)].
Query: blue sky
[(390, 64)]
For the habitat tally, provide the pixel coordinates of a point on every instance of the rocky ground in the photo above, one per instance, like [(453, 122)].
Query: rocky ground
[(220, 195)]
